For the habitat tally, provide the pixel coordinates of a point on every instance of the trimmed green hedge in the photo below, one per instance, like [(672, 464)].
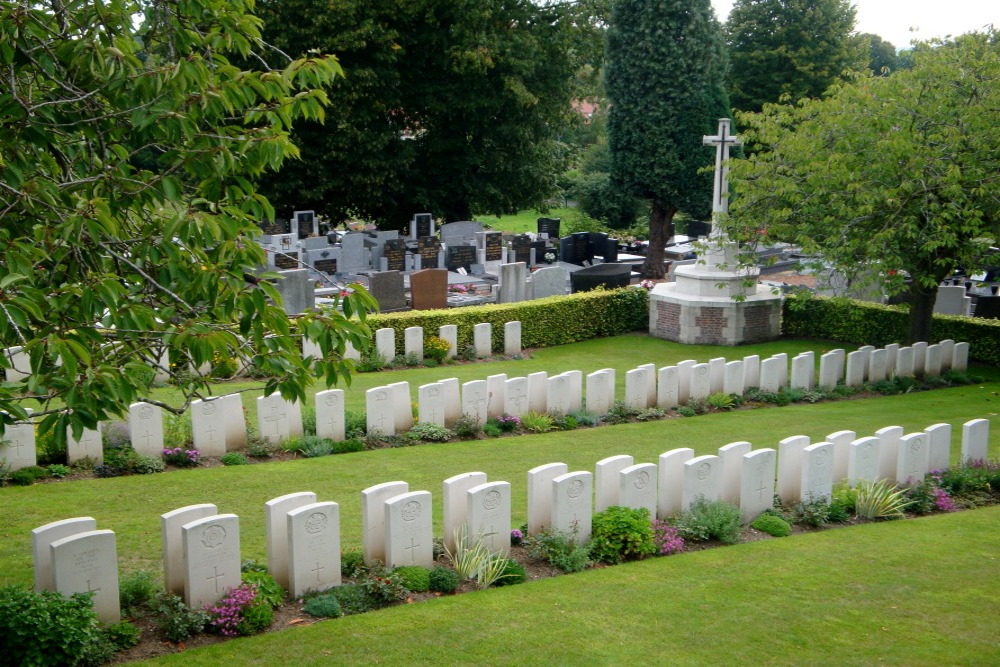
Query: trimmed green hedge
[(554, 320), (866, 323)]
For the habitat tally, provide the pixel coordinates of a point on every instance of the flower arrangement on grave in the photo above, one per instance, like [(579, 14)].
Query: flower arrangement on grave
[(458, 289), (184, 458), (647, 284), (508, 423), (516, 537), (549, 257)]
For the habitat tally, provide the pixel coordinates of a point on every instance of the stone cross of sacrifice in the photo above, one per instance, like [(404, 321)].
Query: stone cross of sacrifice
[(720, 192)]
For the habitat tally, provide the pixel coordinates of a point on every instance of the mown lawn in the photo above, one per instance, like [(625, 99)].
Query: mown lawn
[(524, 221)]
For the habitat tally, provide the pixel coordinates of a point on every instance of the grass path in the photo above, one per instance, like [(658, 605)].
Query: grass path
[(920, 592)]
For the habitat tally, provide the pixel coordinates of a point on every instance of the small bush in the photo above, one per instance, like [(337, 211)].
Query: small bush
[(492, 429), (348, 446), (565, 423), (313, 446), (415, 578), (772, 525), (149, 465), (177, 622), (880, 500), (309, 420), (620, 413), (176, 431), (721, 401), (122, 635), (621, 533), (57, 470), (323, 606), (513, 573), (268, 589), (352, 563), (667, 538), (560, 549), (430, 433), (536, 422), (467, 426), (259, 448), (352, 599), (436, 348), (708, 520), (508, 423), (49, 629), (686, 411), (241, 611), (383, 586), (22, 477), (257, 617), (813, 513), (651, 414), (443, 580), (586, 418), (184, 458), (233, 459), (137, 588)]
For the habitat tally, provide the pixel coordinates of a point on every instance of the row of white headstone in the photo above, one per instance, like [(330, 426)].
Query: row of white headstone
[(201, 548), (482, 340)]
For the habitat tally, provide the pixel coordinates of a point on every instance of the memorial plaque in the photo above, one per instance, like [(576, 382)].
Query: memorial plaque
[(328, 266), (494, 244), (422, 222), (429, 247), (581, 248), (304, 223), (463, 256), (275, 227), (286, 260), (521, 245), (541, 248), (395, 254), (549, 226)]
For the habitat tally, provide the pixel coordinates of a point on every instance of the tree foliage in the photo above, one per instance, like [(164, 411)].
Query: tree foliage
[(891, 177), (882, 58), (789, 47), (126, 207), (665, 80), (449, 106)]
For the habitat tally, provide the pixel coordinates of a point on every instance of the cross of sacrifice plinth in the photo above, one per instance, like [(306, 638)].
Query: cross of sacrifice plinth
[(720, 191)]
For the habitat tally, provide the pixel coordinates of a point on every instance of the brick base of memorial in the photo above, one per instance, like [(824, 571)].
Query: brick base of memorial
[(714, 321)]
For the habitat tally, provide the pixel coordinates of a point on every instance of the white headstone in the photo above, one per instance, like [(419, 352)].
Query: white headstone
[(862, 460), (540, 495), (538, 389), (751, 371), (385, 343), (716, 374), (171, 540), (273, 421), (919, 358), (878, 366), (790, 467), (430, 402), (939, 447), (684, 369), (234, 421), (313, 537), (488, 515), (671, 481), (782, 358), (208, 427), (904, 362), (512, 338), (455, 505), (975, 440), (87, 446), (452, 394), (413, 342), (701, 381), (449, 332), (409, 537), (401, 406), (828, 370), (88, 562), (482, 336), (557, 395), (145, 427), (496, 391), (606, 480), (20, 364), (912, 458), (43, 537), (841, 441), (817, 472), (636, 395), (380, 411), (888, 449), (275, 530), (211, 548), (475, 398), (667, 394), (856, 369), (891, 354), (373, 518), (702, 480), (733, 383), (330, 414), (947, 353), (600, 391), (770, 375), (960, 357), (932, 361), (637, 487), (572, 508), (650, 382), (731, 470), (295, 426), (841, 356), (516, 397), (575, 386), (756, 483), (802, 371)]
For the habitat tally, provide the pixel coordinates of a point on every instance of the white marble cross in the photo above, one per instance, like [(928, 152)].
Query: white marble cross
[(720, 192)]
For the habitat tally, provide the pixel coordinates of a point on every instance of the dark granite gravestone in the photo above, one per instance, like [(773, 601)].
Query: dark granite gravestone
[(988, 306), (549, 226), (429, 248), (304, 222), (610, 251), (395, 254), (576, 248), (328, 266), (286, 260), (609, 276), (494, 246), (697, 228), (274, 228), (521, 245), (421, 225), (541, 248), (463, 256), (387, 288), (429, 289)]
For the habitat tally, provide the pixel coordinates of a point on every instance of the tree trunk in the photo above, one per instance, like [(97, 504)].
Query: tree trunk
[(921, 309), (660, 230)]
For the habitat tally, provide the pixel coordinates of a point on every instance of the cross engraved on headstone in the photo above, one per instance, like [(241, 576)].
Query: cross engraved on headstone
[(215, 578), (86, 440), (274, 419), (147, 436), (211, 432), (411, 549), (432, 414), (492, 534), (17, 444), (91, 590), (317, 570), (720, 191)]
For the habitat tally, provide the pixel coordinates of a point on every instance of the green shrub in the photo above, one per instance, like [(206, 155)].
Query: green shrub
[(47, 450), (313, 446), (620, 412), (268, 589), (921, 497), (383, 586), (709, 520), (137, 588), (176, 431), (233, 459), (323, 606), (536, 422), (513, 573), (355, 423), (352, 563), (721, 401), (814, 513), (560, 549), (585, 418), (148, 465), (252, 565), (467, 426), (177, 622), (50, 629), (259, 448), (309, 420), (651, 414), (22, 477), (353, 599), (880, 500), (430, 432), (57, 470), (122, 635), (621, 533), (842, 503), (492, 429), (415, 578), (436, 348), (443, 580), (348, 446), (686, 411), (565, 423), (257, 617), (772, 525)]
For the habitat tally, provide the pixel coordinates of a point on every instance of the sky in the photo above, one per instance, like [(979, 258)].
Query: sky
[(892, 19)]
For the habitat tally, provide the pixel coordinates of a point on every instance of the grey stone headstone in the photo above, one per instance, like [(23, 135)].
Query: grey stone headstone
[(513, 286), (387, 288), (297, 291), (459, 233), (550, 281), (354, 256)]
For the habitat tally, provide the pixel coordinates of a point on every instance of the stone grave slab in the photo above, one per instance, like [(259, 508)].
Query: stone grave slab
[(496, 391), (666, 388), (938, 447), (716, 374), (87, 446), (276, 531), (482, 337), (409, 537), (947, 347), (919, 358), (888, 450), (733, 378), (172, 542), (731, 470), (636, 395), (387, 288), (572, 506), (757, 483), (273, 420), (932, 361), (912, 458), (600, 391), (456, 507), (43, 537), (208, 427), (637, 487), (650, 383), (512, 338), (429, 288), (449, 332), (670, 487), (513, 282), (862, 460), (430, 402), (770, 375), (401, 404), (702, 480), (516, 397), (413, 342), (782, 368), (891, 352), (234, 421), (538, 387), (145, 426), (380, 411), (960, 357), (790, 468), (802, 371), (606, 481), (373, 518), (211, 548), (701, 381), (488, 515), (841, 441), (550, 281), (751, 371), (451, 396), (828, 374), (475, 398), (313, 538), (817, 472), (878, 366), (684, 369), (385, 343), (975, 440), (540, 495), (575, 386), (904, 362), (330, 421), (88, 562), (855, 376)]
